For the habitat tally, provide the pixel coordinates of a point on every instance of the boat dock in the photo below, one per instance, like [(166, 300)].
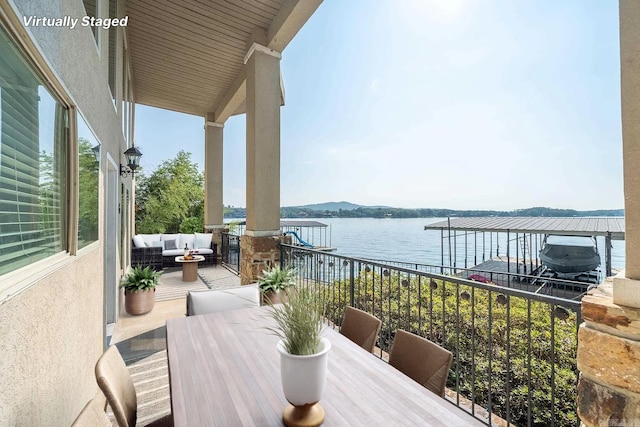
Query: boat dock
[(521, 239), (537, 280), (310, 234)]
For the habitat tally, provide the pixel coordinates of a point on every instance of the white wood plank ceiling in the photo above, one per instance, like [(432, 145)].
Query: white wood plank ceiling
[(187, 55)]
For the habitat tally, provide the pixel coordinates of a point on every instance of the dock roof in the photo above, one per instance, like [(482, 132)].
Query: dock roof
[(294, 223), (541, 225)]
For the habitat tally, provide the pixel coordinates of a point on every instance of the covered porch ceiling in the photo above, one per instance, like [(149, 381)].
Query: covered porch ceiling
[(188, 55)]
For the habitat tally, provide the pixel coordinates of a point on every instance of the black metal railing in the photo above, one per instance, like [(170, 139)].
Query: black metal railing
[(543, 281), (514, 351), (230, 251)]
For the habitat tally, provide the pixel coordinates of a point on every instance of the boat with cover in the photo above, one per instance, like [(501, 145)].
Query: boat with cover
[(576, 258)]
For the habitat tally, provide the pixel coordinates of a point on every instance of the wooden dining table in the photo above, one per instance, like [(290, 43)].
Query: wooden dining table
[(224, 370)]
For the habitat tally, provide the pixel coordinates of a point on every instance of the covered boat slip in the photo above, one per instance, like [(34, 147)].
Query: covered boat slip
[(522, 236), (307, 233)]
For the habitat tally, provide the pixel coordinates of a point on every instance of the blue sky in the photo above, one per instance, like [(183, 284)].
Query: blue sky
[(436, 103)]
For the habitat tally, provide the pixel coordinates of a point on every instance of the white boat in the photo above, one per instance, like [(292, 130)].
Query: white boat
[(570, 258)]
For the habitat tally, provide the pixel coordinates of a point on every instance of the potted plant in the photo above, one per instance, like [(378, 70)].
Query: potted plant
[(303, 355), (274, 281), (140, 289)]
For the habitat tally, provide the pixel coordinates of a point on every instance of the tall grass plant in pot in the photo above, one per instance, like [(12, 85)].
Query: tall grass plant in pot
[(303, 355)]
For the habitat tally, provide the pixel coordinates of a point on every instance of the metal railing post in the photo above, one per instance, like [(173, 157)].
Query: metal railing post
[(282, 256), (351, 283)]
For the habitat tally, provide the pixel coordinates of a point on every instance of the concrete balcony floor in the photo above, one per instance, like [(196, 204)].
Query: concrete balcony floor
[(142, 339)]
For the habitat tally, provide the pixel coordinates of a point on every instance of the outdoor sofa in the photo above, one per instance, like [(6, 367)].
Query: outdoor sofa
[(160, 250)]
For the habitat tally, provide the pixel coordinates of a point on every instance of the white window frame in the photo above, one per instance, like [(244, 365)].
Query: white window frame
[(15, 282)]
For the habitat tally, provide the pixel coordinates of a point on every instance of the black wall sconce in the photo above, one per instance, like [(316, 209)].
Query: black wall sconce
[(133, 161)]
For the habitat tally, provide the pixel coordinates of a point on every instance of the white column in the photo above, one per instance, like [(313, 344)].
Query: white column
[(213, 152), (626, 291), (263, 141)]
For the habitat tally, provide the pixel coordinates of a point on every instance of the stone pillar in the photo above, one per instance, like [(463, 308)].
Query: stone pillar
[(609, 361), (260, 246), (257, 254), (216, 237)]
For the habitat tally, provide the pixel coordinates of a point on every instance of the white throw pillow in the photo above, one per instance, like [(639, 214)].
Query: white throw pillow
[(138, 241), (157, 244), (150, 238), (186, 239), (201, 244), (205, 237)]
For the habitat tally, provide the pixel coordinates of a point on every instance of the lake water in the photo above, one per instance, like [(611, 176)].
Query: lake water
[(404, 239)]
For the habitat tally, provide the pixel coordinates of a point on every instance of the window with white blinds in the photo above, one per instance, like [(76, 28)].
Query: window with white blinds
[(33, 164)]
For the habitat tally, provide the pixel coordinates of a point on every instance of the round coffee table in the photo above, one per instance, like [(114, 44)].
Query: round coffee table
[(190, 267)]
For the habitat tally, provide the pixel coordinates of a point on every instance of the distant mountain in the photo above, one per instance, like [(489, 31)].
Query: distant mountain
[(334, 206), (351, 210)]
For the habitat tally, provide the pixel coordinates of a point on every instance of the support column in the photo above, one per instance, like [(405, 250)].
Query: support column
[(609, 339), (626, 291), (213, 204), (259, 247)]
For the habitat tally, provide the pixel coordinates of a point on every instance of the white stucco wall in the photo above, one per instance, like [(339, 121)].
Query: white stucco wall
[(51, 338), (52, 333)]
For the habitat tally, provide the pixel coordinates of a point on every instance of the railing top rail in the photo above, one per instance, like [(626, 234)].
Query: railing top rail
[(574, 305), (503, 273)]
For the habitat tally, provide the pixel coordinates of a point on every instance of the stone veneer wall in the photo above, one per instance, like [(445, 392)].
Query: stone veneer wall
[(257, 254), (609, 361), (216, 237)]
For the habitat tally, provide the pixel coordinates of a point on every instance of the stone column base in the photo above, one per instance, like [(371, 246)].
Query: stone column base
[(609, 361), (257, 254), (216, 237)]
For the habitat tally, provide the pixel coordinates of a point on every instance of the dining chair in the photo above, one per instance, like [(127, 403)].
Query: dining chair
[(93, 414), (422, 360), (211, 301), (115, 382), (361, 327)]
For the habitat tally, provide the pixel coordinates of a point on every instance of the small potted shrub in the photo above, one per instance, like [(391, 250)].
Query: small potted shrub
[(273, 282), (140, 289), (303, 355)]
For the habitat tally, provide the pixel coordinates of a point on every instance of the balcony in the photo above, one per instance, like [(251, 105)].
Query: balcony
[(514, 351)]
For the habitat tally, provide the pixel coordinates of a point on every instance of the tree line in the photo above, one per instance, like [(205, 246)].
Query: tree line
[(171, 200)]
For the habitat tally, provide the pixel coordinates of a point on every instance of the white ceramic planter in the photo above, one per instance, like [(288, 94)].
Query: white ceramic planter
[(304, 377)]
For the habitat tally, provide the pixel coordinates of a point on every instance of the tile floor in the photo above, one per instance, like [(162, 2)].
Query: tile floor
[(142, 339)]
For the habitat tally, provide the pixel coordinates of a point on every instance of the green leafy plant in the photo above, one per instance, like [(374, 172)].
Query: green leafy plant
[(191, 225), (234, 226), (276, 279), (299, 321), (497, 347), (140, 279), (168, 196)]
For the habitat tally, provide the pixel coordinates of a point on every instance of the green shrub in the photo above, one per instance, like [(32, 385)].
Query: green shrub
[(191, 225), (481, 343)]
